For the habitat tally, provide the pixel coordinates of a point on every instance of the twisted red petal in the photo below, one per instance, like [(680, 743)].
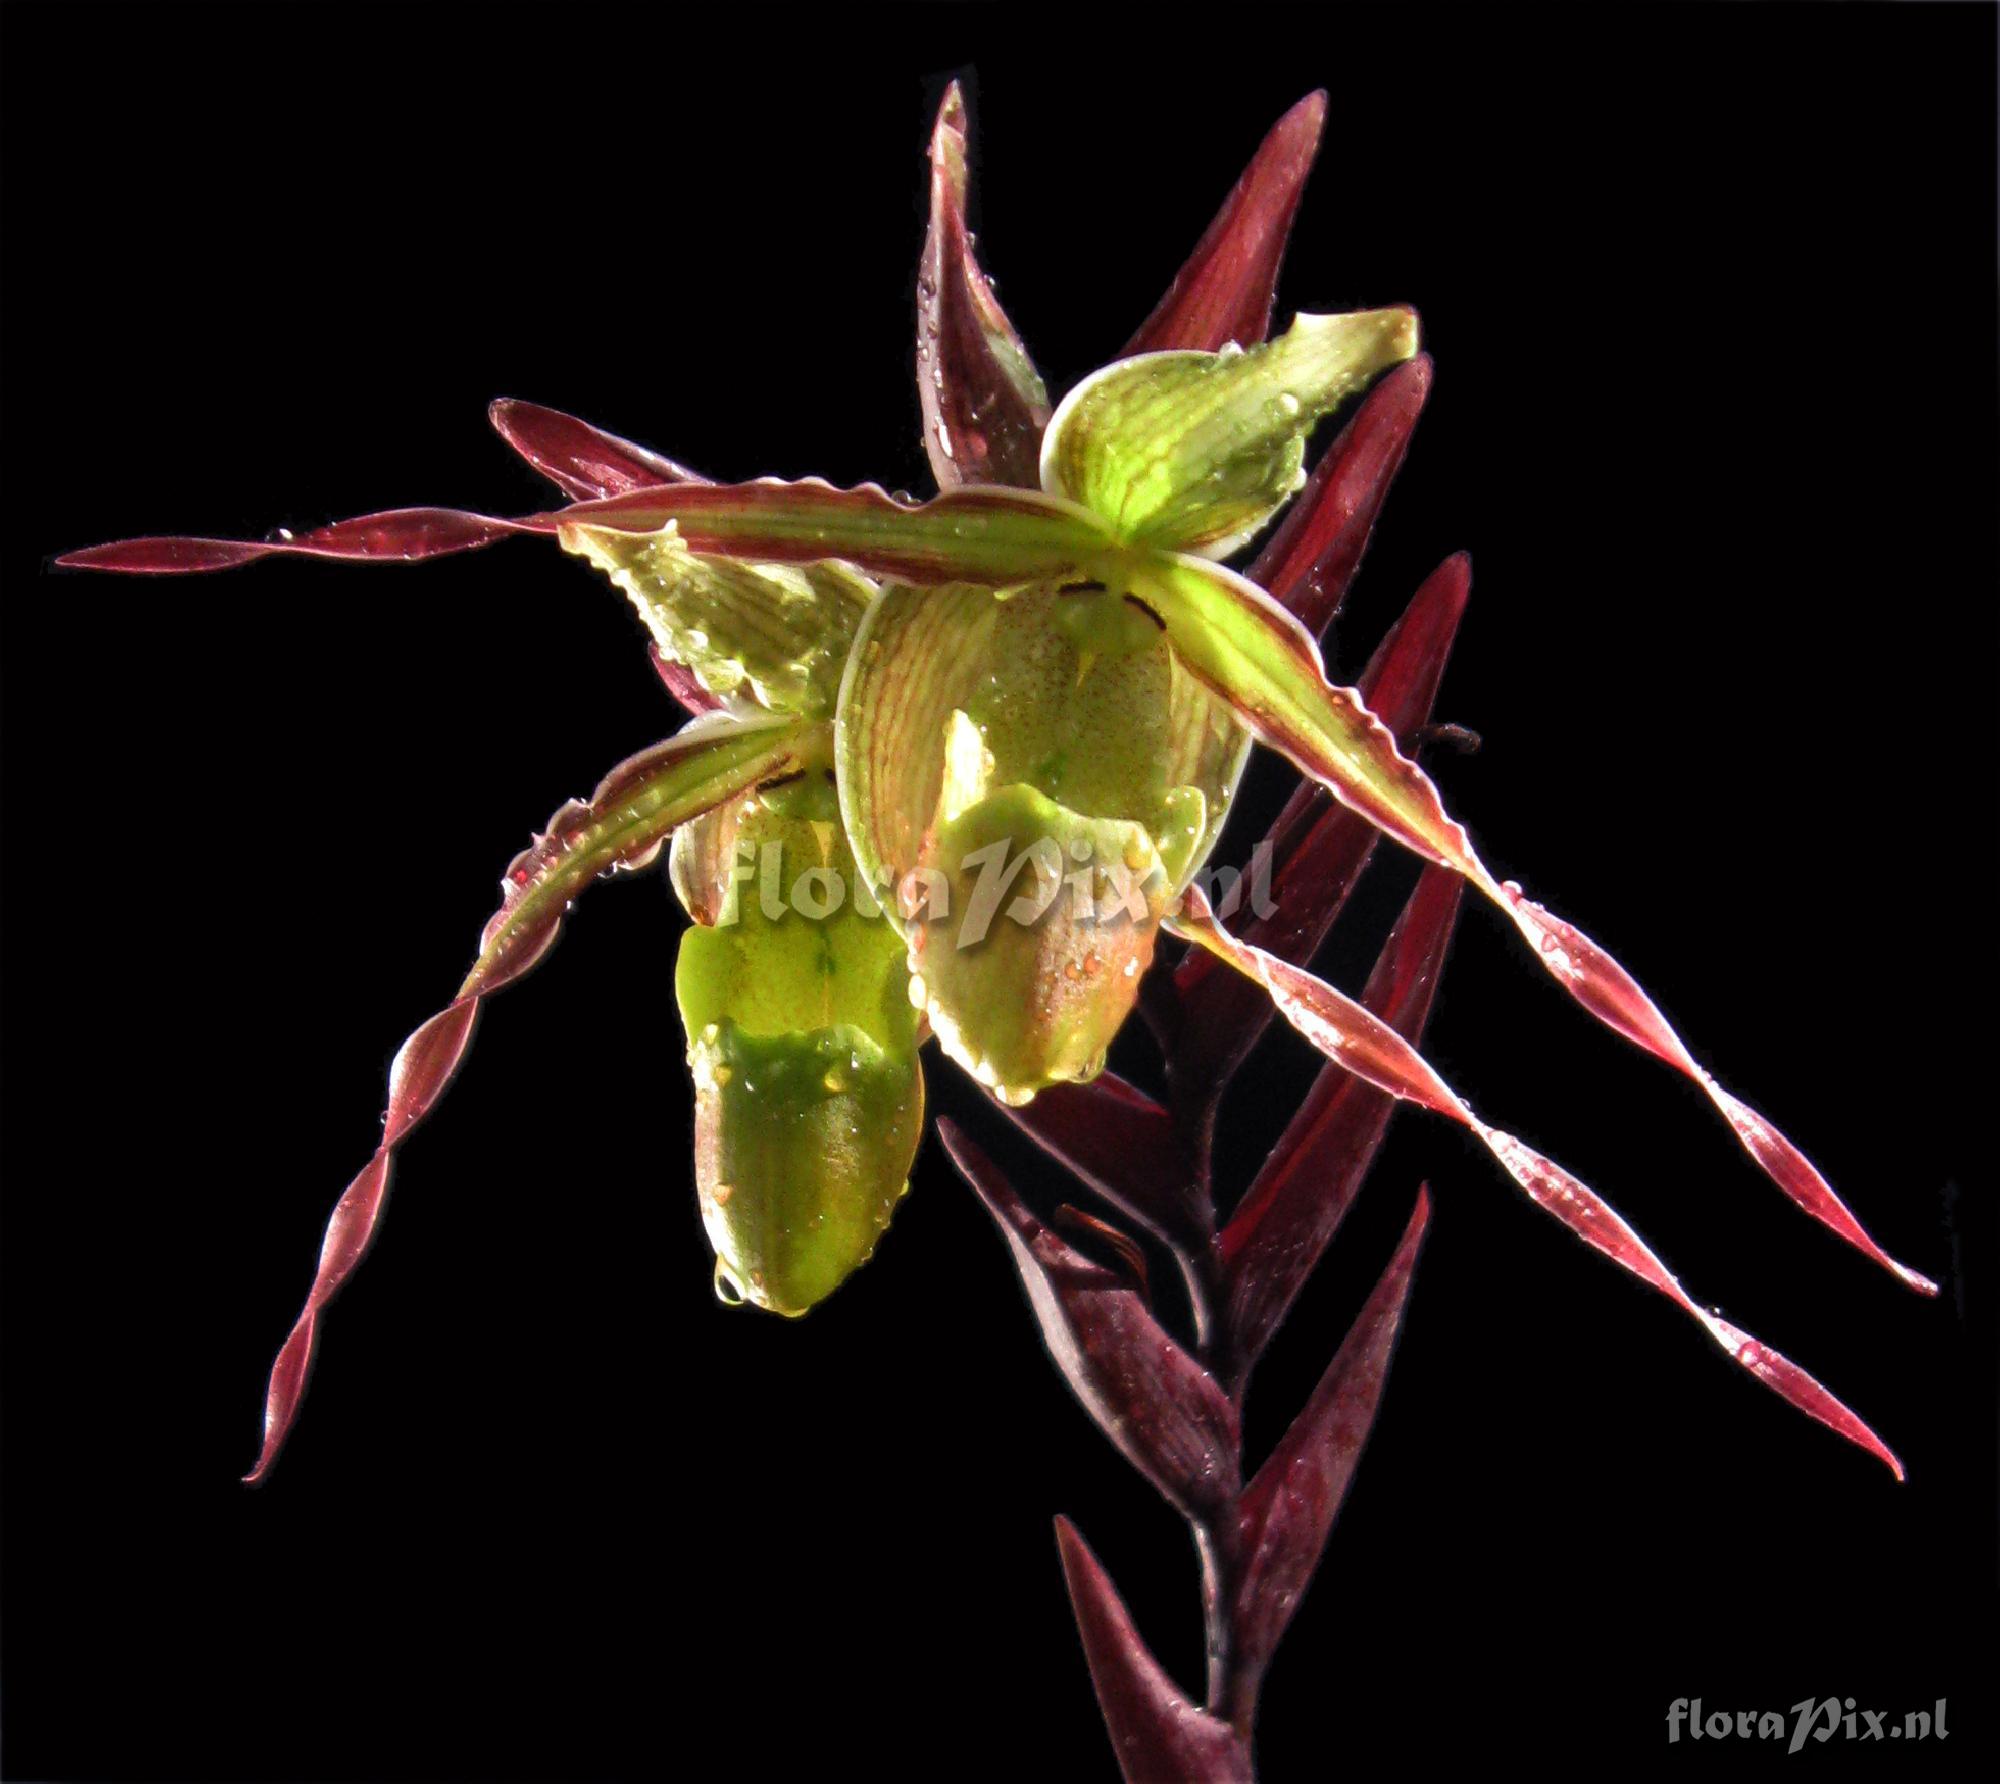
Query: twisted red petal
[(1374, 1052), (980, 534), (1225, 290), (622, 826), (1238, 641), (1616, 999), (398, 535), (583, 461)]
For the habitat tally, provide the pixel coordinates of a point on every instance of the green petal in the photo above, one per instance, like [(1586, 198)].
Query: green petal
[(775, 632), (625, 823), (1195, 451)]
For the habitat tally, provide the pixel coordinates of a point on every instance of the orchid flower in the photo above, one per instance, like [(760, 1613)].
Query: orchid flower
[(1031, 695)]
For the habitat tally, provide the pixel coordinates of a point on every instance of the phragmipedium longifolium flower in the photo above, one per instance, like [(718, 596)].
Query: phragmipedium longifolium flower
[(958, 763)]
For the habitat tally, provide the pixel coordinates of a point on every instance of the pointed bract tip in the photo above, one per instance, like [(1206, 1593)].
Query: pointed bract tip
[(1308, 117), (504, 415), (977, 1169), (1915, 1279), (950, 123)]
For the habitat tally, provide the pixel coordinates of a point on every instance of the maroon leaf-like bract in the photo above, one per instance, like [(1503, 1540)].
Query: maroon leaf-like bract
[(588, 464), (1156, 1732), (983, 405), (1317, 847), (1288, 1216), (1123, 1144), (583, 841), (682, 682), (1162, 1409), (1310, 561), (1225, 290), (583, 461), (1287, 1511)]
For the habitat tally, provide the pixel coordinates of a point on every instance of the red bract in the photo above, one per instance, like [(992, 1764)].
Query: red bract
[(1092, 526)]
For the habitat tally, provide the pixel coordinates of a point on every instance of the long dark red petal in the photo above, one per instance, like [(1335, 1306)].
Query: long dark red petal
[(622, 826), (1286, 1513), (1158, 1735), (980, 533), (1616, 999), (1317, 848), (1225, 291), (1369, 1048), (1160, 1407), (1122, 1143), (1241, 644), (1282, 1227), (398, 535), (1310, 561), (583, 461), (983, 403)]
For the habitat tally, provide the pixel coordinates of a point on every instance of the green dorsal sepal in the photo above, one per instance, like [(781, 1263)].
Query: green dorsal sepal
[(1195, 451)]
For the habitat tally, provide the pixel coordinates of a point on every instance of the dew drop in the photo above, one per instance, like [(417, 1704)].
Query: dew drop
[(727, 1289)]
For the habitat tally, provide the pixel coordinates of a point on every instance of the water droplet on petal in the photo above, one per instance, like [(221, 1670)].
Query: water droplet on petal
[(727, 1289)]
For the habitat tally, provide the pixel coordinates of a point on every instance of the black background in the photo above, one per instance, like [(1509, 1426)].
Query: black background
[(1711, 296)]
